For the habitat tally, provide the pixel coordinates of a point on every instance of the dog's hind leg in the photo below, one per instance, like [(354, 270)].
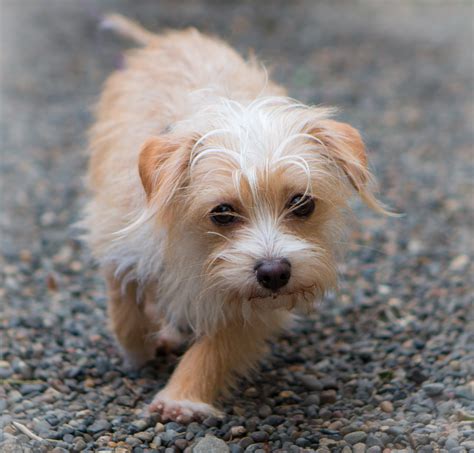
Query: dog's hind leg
[(132, 325)]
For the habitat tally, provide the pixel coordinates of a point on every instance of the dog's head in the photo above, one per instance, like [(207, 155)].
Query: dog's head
[(258, 191)]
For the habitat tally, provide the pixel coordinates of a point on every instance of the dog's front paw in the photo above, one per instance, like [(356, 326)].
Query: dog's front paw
[(181, 411)]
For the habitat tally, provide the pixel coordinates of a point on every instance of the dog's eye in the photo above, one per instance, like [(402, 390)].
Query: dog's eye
[(223, 214), (301, 205)]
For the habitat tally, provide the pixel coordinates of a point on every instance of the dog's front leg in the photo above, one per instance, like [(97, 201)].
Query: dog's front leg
[(209, 368)]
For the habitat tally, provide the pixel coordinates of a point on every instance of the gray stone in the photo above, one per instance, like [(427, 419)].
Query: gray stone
[(211, 421), (145, 436), (264, 411), (359, 448), (140, 425), (355, 437), (245, 442), (425, 449), (396, 430), (274, 420), (5, 370), (98, 426), (259, 436), (236, 448), (373, 441), (210, 444), (451, 442), (169, 435), (374, 449), (433, 389), (311, 382), (157, 441), (181, 443), (79, 445)]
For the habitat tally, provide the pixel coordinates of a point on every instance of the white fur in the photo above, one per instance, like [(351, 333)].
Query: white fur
[(260, 134), (181, 410), (185, 126)]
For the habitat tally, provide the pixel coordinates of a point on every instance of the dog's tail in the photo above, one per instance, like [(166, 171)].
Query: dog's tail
[(128, 28)]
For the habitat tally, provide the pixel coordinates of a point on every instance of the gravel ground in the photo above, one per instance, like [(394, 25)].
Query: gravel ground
[(386, 365)]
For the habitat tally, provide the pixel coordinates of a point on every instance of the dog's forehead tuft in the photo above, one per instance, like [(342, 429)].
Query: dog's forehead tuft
[(251, 141), (255, 134)]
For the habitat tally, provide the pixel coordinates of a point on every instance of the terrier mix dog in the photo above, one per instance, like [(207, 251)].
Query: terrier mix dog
[(217, 208)]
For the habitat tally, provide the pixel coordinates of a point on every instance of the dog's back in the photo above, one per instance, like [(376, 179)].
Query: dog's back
[(164, 82)]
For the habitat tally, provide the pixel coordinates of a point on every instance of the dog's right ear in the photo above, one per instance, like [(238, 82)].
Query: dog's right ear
[(163, 166)]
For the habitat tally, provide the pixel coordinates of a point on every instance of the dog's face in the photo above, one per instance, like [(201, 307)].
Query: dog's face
[(260, 192)]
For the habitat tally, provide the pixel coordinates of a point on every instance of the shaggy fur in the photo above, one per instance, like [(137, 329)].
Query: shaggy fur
[(186, 126)]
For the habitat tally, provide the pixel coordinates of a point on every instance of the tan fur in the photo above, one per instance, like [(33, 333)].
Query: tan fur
[(130, 321), (210, 366), (186, 126)]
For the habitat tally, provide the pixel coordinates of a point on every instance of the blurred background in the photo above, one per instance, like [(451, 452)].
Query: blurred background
[(390, 355)]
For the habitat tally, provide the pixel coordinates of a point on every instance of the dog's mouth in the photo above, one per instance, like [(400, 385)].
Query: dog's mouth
[(306, 293), (272, 296)]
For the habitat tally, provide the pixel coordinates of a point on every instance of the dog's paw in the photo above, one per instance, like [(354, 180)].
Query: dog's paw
[(181, 411)]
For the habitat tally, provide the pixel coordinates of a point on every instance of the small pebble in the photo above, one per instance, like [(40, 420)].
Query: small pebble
[(5, 369), (459, 263), (328, 397), (251, 392), (259, 436), (374, 449), (355, 437), (311, 382), (237, 431), (275, 420), (386, 406), (211, 422), (451, 442), (359, 448), (245, 442), (181, 443), (99, 426), (433, 389), (264, 411)]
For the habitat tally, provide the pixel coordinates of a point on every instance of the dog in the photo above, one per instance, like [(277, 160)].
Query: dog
[(216, 211)]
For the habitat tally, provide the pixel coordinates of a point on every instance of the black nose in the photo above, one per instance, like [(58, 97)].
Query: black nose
[(273, 274)]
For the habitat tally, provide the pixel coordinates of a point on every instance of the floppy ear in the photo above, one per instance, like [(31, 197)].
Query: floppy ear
[(162, 166), (344, 144), (345, 147)]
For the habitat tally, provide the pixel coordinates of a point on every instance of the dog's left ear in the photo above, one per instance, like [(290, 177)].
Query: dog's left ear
[(344, 144), (345, 147)]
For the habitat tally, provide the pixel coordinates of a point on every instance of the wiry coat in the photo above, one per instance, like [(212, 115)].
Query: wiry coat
[(186, 125)]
